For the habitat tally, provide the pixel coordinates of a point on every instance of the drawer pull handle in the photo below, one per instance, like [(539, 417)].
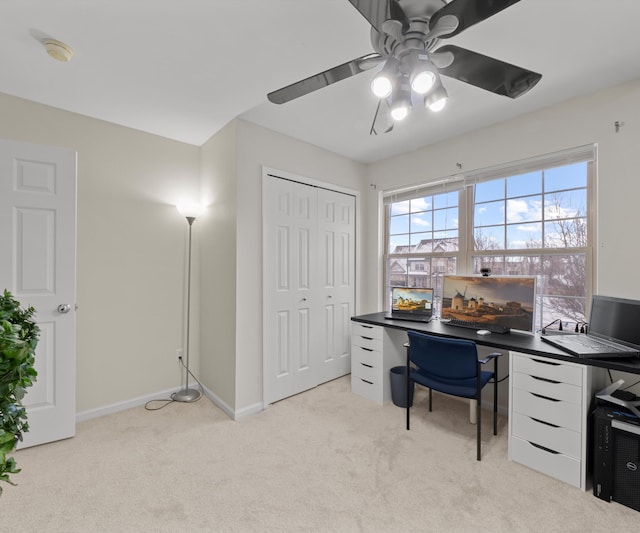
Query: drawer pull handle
[(366, 349), (548, 450), (368, 366), (543, 422), (545, 362), (544, 397), (367, 338), (369, 382), (368, 327), (547, 380)]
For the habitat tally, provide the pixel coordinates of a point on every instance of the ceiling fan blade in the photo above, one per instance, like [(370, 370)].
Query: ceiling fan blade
[(379, 11), (488, 73), (468, 13), (382, 120), (323, 79)]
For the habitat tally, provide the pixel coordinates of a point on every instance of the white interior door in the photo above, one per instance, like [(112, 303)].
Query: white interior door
[(336, 247), (37, 265), (290, 288), (308, 294)]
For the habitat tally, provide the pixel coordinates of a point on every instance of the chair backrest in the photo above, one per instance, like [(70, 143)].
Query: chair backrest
[(443, 357)]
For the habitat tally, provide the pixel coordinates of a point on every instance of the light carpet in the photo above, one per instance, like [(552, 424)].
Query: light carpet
[(324, 460)]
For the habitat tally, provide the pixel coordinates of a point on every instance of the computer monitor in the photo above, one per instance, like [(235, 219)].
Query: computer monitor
[(412, 303), (505, 301)]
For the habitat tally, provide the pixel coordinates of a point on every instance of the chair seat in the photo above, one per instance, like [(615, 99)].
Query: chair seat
[(465, 388)]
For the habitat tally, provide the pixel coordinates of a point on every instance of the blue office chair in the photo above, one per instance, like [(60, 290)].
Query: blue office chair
[(451, 366)]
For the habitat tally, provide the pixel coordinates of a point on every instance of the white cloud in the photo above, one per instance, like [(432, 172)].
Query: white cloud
[(523, 210)]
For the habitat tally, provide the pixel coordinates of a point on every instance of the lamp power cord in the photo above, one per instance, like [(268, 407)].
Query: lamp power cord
[(171, 399)]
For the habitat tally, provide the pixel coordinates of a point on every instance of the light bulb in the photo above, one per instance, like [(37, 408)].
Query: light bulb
[(399, 112), (438, 105), (423, 81), (190, 209), (381, 86), (437, 98)]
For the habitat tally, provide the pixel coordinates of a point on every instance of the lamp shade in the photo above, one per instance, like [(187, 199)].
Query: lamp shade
[(190, 209)]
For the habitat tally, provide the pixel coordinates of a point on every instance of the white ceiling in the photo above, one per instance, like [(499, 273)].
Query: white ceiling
[(183, 69)]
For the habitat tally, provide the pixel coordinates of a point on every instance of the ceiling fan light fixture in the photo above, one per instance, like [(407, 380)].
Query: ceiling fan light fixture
[(399, 112), (423, 72), (401, 103), (436, 99), (422, 82), (384, 81), (381, 86)]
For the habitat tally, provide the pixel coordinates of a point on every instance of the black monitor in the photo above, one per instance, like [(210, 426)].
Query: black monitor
[(616, 319), (503, 301)]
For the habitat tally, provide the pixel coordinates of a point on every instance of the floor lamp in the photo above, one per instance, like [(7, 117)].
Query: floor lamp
[(190, 212)]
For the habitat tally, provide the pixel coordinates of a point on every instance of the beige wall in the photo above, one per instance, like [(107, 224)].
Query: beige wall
[(218, 266), (131, 248)]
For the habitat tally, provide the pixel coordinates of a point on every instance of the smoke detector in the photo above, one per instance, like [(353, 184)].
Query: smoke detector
[(57, 50)]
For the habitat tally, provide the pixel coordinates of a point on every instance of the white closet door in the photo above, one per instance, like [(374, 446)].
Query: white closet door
[(309, 285), (292, 350), (336, 246)]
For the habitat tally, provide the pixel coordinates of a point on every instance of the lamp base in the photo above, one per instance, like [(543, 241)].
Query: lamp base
[(186, 395)]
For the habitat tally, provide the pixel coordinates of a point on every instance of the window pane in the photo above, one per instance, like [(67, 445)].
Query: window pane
[(523, 265), (422, 204), (569, 309), (399, 244), (445, 219), (400, 208), (399, 224), (449, 199), (524, 184), (444, 265), (567, 204), (489, 238), (397, 272), (417, 238), (566, 177), (489, 214), (421, 221), (489, 190), (571, 233), (564, 275), (523, 236), (495, 263), (445, 241), (524, 209)]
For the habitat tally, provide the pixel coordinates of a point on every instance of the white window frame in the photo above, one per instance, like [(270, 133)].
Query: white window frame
[(464, 184)]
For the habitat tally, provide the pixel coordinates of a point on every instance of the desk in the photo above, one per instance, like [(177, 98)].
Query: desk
[(515, 341), (550, 391)]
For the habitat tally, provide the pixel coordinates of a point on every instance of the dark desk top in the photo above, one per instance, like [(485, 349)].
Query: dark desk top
[(516, 341)]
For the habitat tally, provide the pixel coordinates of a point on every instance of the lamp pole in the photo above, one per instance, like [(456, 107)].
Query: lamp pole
[(188, 395)]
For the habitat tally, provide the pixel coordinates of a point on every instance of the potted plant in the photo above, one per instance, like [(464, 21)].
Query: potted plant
[(18, 340)]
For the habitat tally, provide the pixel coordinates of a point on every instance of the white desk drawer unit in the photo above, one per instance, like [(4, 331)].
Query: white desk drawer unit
[(548, 408), (373, 354)]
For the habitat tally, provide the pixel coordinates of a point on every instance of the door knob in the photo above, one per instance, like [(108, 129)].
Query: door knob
[(64, 308)]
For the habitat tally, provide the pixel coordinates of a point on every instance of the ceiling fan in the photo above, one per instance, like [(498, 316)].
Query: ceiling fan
[(406, 36)]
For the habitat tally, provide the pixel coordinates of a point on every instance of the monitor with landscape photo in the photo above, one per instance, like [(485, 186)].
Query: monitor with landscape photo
[(506, 301)]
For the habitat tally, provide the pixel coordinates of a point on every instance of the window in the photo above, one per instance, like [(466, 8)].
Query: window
[(529, 218)]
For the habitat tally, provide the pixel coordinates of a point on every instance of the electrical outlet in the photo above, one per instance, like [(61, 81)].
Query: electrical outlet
[(179, 353)]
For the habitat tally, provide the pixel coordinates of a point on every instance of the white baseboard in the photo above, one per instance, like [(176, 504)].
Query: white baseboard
[(122, 406), (162, 395)]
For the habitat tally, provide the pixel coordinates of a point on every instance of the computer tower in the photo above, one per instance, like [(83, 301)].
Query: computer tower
[(616, 456)]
